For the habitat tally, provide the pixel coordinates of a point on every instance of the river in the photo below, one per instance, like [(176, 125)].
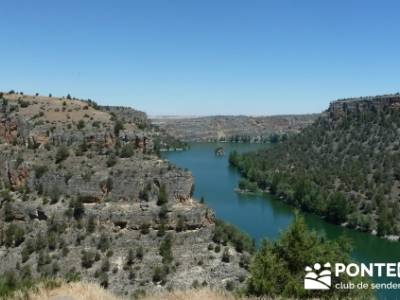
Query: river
[(263, 216)]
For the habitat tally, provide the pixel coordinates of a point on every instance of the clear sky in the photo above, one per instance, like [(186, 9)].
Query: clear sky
[(202, 57)]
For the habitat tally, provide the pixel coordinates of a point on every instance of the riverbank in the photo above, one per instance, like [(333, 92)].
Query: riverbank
[(265, 216)]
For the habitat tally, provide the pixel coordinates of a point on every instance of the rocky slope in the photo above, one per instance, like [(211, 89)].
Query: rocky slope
[(233, 128), (345, 166), (84, 195)]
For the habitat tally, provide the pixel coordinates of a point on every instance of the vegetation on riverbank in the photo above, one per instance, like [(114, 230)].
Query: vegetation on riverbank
[(345, 167), (225, 233)]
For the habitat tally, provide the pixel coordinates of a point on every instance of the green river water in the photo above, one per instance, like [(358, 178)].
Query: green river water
[(265, 217)]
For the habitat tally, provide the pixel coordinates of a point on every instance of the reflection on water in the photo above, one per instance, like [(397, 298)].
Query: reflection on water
[(265, 217)]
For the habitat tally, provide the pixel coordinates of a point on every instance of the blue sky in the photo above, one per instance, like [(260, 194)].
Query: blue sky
[(203, 57)]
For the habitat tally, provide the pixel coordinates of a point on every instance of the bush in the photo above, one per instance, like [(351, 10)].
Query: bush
[(166, 249), (181, 225), (139, 253), (52, 241), (14, 236), (91, 225), (81, 124), (127, 151), (62, 154), (160, 274), (23, 103), (40, 170), (247, 185), (230, 286), (82, 148), (161, 229), (54, 194), (103, 243), (162, 195), (195, 284), (78, 208), (277, 266), (103, 280), (130, 258), (28, 249), (145, 228), (224, 233), (87, 259), (9, 284), (118, 126), (226, 257), (105, 266), (111, 160), (8, 212)]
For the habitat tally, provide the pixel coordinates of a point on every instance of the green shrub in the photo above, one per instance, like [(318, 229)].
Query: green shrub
[(78, 209), (161, 229), (105, 266), (23, 103), (91, 225), (111, 160), (224, 233), (104, 242), (87, 259), (277, 266), (118, 126), (127, 151), (27, 250), (14, 236), (139, 253), (145, 228), (226, 257), (181, 225), (162, 195), (8, 212), (62, 154), (81, 124), (40, 170), (166, 249), (160, 274), (130, 258)]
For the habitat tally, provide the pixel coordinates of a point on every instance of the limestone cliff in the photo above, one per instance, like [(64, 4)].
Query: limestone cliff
[(84, 195)]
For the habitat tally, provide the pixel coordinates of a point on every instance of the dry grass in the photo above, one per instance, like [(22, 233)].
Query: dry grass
[(91, 291), (200, 294), (53, 109), (69, 291)]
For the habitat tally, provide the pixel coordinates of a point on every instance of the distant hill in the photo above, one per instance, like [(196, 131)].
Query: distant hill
[(233, 128), (345, 166)]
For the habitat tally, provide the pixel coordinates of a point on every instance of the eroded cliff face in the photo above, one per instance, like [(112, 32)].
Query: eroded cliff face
[(84, 198), (339, 108)]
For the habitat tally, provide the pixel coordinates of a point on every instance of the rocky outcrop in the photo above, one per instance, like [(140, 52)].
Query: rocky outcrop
[(127, 114), (341, 107), (80, 199)]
